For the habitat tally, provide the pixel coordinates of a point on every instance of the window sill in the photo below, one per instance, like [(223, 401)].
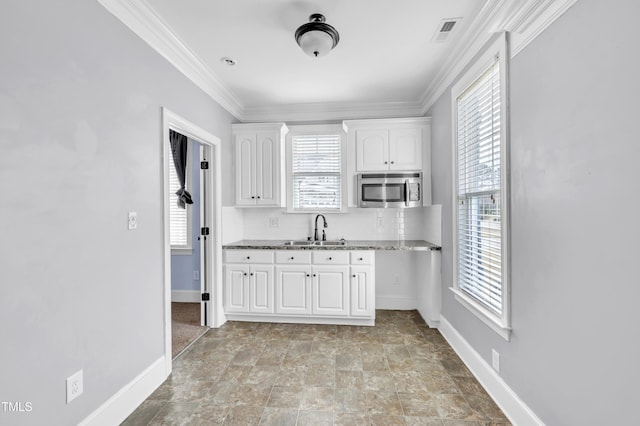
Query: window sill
[(482, 314), (181, 251)]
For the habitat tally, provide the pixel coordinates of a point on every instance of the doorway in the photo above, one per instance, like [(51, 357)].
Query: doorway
[(211, 313), (187, 320)]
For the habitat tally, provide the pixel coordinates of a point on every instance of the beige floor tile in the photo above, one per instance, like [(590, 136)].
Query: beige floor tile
[(398, 372)]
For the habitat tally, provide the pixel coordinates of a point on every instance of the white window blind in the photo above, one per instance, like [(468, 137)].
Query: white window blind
[(316, 172), (178, 219), (479, 212)]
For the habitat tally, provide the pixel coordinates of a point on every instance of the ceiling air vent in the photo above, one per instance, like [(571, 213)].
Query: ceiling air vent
[(447, 26)]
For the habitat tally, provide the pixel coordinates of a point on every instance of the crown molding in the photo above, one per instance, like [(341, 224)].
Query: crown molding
[(532, 19), (525, 20), (146, 24), (331, 111)]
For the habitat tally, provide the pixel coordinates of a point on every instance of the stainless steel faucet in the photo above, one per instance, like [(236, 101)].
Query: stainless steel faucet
[(315, 232)]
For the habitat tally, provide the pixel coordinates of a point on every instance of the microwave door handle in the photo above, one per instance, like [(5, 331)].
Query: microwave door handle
[(406, 193)]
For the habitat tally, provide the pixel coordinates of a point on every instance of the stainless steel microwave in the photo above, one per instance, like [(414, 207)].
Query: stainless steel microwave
[(393, 190)]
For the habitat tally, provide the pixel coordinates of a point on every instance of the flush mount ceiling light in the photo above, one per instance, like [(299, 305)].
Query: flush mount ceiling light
[(316, 38)]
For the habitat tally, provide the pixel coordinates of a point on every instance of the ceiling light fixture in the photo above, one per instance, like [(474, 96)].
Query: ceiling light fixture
[(229, 61), (316, 38)]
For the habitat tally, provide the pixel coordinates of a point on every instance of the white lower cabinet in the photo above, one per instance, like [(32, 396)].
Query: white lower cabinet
[(362, 294), (330, 290), (249, 288), (293, 290), (322, 286)]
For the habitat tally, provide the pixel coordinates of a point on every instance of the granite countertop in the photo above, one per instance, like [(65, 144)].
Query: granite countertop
[(409, 245)]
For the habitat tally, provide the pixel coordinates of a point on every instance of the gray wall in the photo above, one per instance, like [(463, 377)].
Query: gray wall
[(80, 143), (573, 357)]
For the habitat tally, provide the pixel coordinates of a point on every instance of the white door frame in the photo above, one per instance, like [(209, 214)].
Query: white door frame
[(215, 314)]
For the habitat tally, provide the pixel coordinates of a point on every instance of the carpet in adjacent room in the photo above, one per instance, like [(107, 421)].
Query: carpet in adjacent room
[(185, 326)]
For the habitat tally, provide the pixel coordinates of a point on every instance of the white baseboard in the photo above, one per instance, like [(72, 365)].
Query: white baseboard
[(395, 303), (185, 296), (513, 407), (126, 400)]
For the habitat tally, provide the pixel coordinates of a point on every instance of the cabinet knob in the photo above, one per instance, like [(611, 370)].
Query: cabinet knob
[(360, 259), (308, 275), (386, 162), (331, 258), (354, 275), (391, 163), (245, 274), (248, 257), (292, 257), (314, 275), (258, 197), (253, 198), (251, 274)]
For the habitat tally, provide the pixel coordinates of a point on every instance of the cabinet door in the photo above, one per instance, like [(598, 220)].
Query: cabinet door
[(267, 169), (362, 291), (261, 289), (245, 169), (405, 149), (236, 288), (372, 150), (330, 290), (293, 295)]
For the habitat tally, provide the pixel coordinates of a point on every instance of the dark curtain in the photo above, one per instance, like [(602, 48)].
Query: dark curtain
[(179, 151)]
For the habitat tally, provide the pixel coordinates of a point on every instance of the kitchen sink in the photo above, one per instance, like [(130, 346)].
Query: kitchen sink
[(304, 243)]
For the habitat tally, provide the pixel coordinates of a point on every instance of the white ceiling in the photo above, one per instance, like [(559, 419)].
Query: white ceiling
[(386, 63)]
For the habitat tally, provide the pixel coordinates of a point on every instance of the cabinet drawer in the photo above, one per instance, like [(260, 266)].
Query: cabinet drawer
[(248, 256), (293, 256), (329, 257), (362, 257)]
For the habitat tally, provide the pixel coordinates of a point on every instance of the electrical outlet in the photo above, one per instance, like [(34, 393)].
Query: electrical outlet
[(196, 275), (133, 220), (495, 360), (274, 222), (396, 279), (379, 222), (74, 386)]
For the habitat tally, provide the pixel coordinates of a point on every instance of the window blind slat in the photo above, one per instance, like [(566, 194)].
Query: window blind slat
[(316, 172), (478, 130)]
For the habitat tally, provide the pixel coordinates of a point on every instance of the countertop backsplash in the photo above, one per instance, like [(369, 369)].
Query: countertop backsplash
[(422, 223)]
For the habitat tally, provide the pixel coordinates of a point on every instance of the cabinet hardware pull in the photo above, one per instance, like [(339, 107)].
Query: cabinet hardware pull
[(251, 274), (292, 258), (386, 162), (314, 275), (307, 274), (258, 197), (331, 258), (253, 198), (391, 163), (360, 258), (248, 257), (245, 274), (354, 275)]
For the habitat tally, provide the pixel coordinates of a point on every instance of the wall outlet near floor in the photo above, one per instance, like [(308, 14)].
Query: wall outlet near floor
[(495, 360), (196, 275), (74, 386)]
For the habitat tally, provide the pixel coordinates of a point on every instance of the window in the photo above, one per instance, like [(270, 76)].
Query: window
[(315, 168), (179, 219), (480, 190)]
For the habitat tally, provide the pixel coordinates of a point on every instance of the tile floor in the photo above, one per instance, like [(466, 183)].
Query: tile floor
[(399, 372)]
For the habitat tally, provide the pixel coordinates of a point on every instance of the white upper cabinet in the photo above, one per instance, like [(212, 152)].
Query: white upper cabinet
[(389, 144), (259, 158)]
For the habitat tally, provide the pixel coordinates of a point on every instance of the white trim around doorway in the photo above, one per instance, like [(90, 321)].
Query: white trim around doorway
[(215, 314)]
